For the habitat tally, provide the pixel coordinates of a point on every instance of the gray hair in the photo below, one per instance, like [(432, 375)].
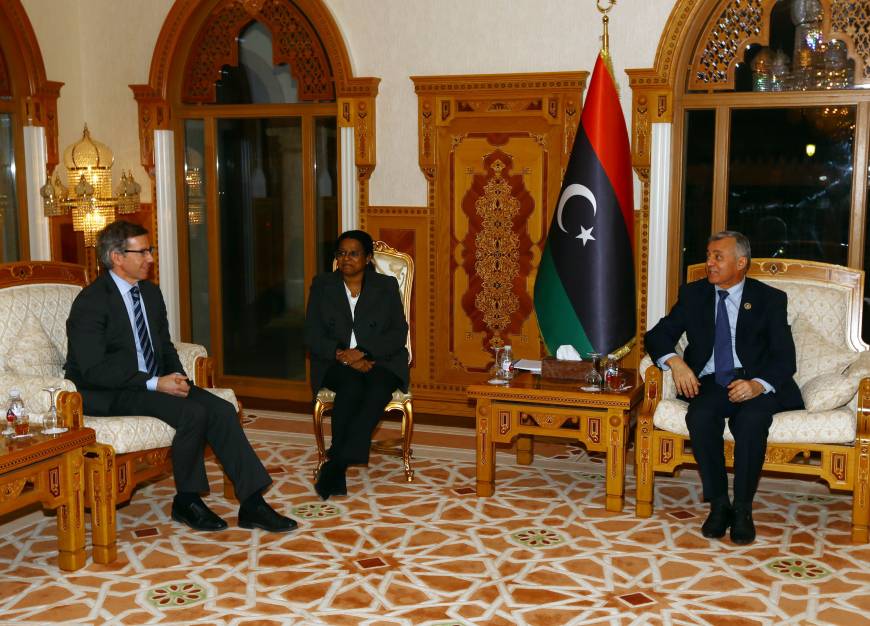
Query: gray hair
[(113, 238), (741, 242)]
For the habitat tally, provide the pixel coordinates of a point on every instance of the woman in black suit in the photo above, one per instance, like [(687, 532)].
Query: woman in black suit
[(355, 329)]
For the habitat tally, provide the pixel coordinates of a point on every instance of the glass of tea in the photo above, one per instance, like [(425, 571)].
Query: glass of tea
[(22, 425)]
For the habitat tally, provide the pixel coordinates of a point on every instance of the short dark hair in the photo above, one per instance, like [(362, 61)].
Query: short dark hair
[(741, 242), (113, 238), (365, 240)]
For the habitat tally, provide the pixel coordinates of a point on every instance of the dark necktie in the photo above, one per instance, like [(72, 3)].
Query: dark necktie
[(723, 358), (142, 332)]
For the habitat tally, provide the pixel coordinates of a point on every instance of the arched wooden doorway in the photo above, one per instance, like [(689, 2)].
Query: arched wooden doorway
[(271, 141), (27, 101)]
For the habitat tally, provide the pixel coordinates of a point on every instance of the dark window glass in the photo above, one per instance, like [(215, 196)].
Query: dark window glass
[(262, 246), (8, 197), (326, 189), (197, 230), (697, 185), (790, 180)]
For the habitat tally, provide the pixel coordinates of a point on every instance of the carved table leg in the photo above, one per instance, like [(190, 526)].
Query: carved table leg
[(101, 497), (643, 466), (485, 450), (71, 514), (615, 433), (861, 496), (525, 449)]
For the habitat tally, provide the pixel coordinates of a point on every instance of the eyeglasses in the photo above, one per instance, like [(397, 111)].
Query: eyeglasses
[(143, 251), (353, 254)]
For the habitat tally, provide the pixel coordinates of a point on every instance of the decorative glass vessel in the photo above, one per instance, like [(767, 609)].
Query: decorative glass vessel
[(762, 70)]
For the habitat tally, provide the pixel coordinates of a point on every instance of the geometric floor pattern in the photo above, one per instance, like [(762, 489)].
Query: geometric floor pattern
[(542, 551)]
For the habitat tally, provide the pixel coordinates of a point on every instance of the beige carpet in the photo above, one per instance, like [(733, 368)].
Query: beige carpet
[(541, 551)]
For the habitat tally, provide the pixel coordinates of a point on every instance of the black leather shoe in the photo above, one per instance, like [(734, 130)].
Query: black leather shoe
[(265, 517), (198, 516), (331, 480), (743, 528), (718, 521)]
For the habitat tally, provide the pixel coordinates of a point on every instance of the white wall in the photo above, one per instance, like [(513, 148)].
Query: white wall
[(395, 39), (99, 47)]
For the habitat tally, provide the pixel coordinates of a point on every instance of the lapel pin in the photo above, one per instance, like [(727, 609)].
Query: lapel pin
[(747, 306)]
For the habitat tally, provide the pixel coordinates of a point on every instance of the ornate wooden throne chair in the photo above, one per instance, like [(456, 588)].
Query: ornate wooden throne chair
[(831, 438), (401, 266)]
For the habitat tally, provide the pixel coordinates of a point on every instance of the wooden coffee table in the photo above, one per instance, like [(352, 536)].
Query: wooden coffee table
[(49, 469), (531, 405)]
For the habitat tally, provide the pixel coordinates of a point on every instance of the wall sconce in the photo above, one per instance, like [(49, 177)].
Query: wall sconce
[(88, 166)]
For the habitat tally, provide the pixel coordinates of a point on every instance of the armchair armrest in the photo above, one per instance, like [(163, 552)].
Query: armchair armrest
[(863, 425), (31, 387), (196, 362), (36, 401), (69, 409), (653, 388)]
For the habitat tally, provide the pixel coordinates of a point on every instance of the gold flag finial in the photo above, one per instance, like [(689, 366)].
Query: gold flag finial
[(605, 37)]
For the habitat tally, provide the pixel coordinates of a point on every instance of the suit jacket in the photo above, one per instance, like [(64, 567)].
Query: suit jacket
[(763, 339), (101, 348), (378, 322)]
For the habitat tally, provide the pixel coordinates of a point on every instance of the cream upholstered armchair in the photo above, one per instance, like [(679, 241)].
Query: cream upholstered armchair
[(35, 299), (393, 263), (831, 438)]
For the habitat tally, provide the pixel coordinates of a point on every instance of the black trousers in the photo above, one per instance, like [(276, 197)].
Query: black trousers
[(749, 423), (360, 399), (198, 419)]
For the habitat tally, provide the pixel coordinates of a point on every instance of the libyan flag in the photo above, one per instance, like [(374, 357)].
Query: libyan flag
[(584, 290)]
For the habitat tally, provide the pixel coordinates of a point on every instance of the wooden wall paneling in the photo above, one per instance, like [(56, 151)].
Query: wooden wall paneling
[(493, 149), (409, 230)]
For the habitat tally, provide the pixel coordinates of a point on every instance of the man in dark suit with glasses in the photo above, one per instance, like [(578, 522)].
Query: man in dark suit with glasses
[(121, 358)]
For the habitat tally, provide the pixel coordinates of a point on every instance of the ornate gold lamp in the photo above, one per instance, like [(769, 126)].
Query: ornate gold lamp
[(88, 166)]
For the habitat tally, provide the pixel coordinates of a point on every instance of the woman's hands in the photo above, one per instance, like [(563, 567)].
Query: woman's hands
[(354, 358)]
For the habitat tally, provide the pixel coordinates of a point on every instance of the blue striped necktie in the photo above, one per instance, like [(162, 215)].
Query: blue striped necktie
[(142, 332), (723, 356)]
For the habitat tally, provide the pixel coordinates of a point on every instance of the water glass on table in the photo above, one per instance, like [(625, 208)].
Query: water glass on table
[(49, 421), (593, 378)]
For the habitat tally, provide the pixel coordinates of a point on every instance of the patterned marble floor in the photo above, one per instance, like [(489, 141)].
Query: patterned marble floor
[(541, 552)]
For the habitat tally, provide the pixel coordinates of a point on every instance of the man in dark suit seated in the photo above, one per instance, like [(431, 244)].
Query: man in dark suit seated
[(738, 365), (122, 361)]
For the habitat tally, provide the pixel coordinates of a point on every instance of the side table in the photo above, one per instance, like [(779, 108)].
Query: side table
[(49, 469), (530, 405)]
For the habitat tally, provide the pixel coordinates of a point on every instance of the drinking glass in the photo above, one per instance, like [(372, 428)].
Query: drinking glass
[(612, 375), (593, 378), (22, 425), (49, 421), (496, 366)]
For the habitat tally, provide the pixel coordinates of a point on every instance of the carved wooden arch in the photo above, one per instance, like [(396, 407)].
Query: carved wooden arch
[(23, 70), (183, 30), (294, 42), (689, 44)]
